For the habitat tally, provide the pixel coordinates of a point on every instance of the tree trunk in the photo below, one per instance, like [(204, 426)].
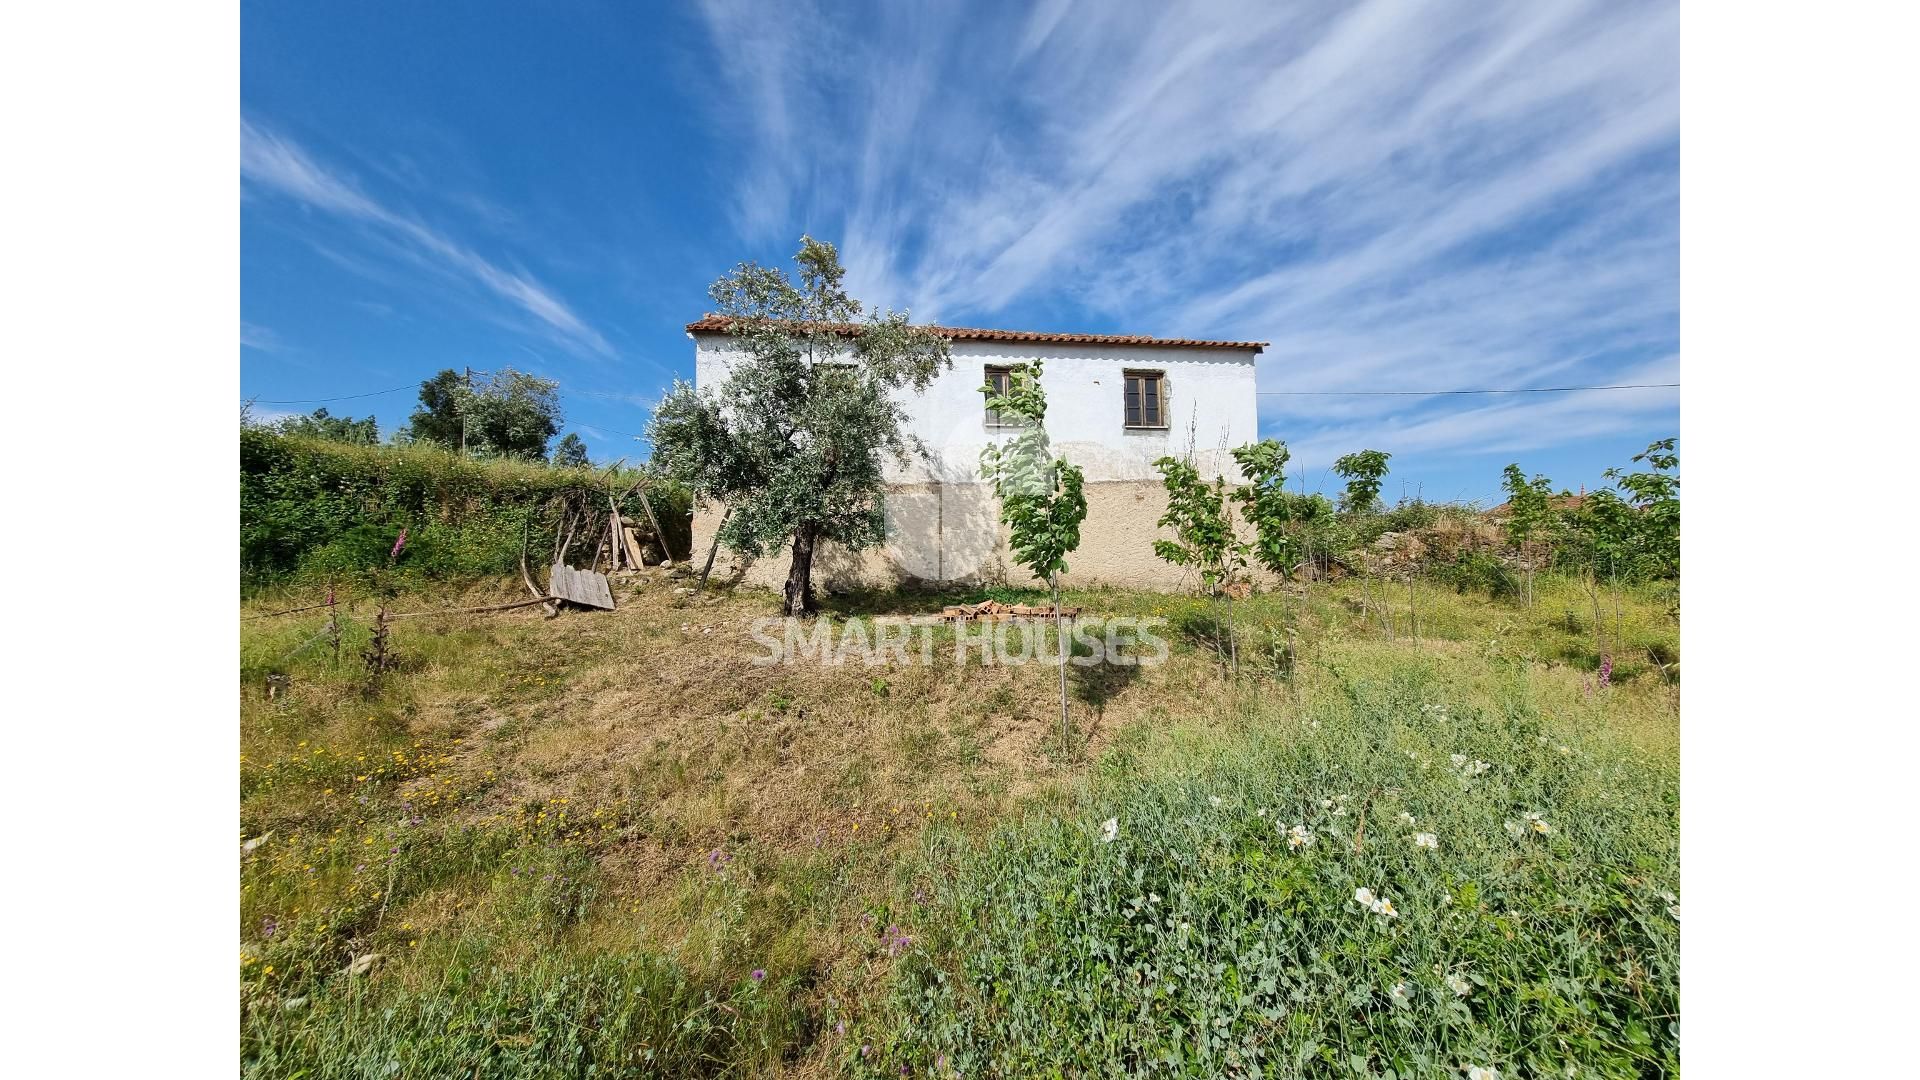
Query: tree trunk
[(713, 548), (799, 592), (1060, 634)]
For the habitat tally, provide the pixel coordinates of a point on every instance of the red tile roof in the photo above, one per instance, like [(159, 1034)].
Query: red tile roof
[(717, 324)]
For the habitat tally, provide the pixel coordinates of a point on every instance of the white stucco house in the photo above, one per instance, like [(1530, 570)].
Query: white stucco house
[(1115, 403)]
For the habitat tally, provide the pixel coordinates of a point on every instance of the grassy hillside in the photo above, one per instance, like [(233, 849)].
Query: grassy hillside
[(611, 845), (312, 509)]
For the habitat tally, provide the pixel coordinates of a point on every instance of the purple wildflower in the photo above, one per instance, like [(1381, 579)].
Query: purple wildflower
[(398, 543), (759, 974), (269, 927), (897, 940), (1606, 672)]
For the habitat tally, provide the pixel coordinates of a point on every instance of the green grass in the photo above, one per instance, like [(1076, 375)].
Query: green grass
[(1202, 942), (573, 843)]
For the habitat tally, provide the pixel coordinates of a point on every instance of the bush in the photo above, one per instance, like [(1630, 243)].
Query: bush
[(310, 509), (1223, 929)]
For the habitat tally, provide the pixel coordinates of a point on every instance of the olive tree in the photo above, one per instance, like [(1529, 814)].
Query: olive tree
[(794, 441)]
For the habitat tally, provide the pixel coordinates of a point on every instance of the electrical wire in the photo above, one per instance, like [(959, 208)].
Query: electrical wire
[(1440, 393)]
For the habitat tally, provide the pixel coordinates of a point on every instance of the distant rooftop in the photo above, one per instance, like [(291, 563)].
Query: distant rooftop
[(717, 324)]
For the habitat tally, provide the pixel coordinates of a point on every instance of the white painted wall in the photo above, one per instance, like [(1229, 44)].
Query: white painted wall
[(1209, 392)]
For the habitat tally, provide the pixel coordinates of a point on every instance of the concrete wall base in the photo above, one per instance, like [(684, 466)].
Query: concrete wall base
[(950, 535)]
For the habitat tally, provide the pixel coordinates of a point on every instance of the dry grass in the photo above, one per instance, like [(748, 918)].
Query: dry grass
[(738, 816)]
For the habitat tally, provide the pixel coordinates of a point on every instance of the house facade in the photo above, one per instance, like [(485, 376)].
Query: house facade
[(1115, 403)]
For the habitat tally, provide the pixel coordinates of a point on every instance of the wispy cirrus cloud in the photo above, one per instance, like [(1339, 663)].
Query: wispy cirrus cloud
[(259, 337), (1397, 195), (273, 162)]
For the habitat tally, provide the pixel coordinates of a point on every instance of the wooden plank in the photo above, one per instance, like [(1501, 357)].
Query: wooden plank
[(588, 588), (665, 555), (634, 553)]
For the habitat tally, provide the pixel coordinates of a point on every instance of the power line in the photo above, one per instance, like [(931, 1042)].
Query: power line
[(1440, 393), (343, 397)]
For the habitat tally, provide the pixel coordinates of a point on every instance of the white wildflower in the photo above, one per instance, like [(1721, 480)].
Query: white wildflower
[(1262, 812), (1426, 840), (1674, 910), (1109, 830), (1457, 759), (1214, 799), (1459, 985), (1536, 822), (1516, 830), (1483, 1072), (1298, 837), (1406, 818), (1379, 905), (1401, 993)]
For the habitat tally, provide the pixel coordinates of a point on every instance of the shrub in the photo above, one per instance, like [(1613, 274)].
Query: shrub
[(311, 508)]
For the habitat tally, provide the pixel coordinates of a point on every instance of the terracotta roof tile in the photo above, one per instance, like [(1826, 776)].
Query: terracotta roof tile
[(715, 324)]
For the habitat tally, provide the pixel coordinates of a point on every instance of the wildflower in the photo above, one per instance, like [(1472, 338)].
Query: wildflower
[(1535, 822), (1457, 759), (1298, 837), (759, 974), (1214, 799), (1379, 905), (1401, 993), (1674, 910), (1109, 830), (1483, 1072), (1426, 840), (1262, 812), (1515, 829), (1406, 818), (1606, 672), (1459, 985)]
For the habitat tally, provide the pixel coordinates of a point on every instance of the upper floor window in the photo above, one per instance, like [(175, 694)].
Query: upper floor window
[(999, 382), (1146, 399)]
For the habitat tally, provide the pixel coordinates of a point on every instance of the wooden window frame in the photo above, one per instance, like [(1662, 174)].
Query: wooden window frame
[(1004, 381), (1144, 377)]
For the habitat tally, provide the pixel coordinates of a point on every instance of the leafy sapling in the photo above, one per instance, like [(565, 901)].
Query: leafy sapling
[(1530, 520), (1363, 471), (1201, 518), (1042, 497)]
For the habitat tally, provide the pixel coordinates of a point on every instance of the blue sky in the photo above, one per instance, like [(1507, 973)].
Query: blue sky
[(1399, 196)]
